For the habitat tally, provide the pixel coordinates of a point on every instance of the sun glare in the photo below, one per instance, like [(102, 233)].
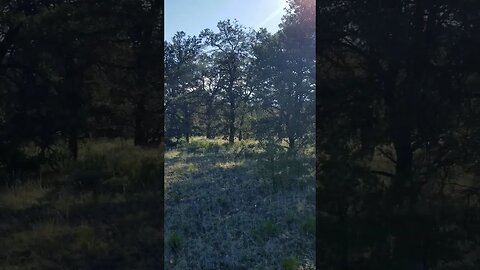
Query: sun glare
[(281, 5)]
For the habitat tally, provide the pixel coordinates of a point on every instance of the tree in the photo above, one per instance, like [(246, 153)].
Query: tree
[(286, 63), (392, 81), (211, 82), (180, 61), (230, 46)]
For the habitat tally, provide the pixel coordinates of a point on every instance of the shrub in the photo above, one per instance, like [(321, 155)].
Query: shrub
[(279, 167)]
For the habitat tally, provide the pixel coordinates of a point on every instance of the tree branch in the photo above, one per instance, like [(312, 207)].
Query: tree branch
[(383, 173), (387, 155)]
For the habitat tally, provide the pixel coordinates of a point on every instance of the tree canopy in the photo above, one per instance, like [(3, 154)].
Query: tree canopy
[(394, 128)]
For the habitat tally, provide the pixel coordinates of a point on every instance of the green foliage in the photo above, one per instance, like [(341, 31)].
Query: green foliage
[(309, 226), (281, 168), (387, 146), (268, 228), (265, 231), (291, 263), (175, 241)]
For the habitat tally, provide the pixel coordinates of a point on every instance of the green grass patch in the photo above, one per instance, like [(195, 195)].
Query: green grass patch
[(23, 196), (265, 231), (290, 263), (229, 164), (175, 242), (309, 226)]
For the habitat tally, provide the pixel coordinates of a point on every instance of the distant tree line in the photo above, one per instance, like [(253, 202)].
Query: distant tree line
[(237, 83)]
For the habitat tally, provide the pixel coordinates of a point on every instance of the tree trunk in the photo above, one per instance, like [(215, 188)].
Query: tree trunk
[(343, 225), (140, 132), (403, 167), (73, 143), (240, 135), (73, 80), (209, 130), (290, 133), (231, 116), (208, 120), (143, 64), (186, 122), (231, 122)]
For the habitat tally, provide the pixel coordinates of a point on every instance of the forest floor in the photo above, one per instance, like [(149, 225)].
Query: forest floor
[(94, 213), (220, 214)]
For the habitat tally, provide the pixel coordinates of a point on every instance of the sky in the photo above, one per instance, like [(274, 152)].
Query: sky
[(192, 16)]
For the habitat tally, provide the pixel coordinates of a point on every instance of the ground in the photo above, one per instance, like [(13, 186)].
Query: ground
[(89, 214), (221, 214), (103, 211)]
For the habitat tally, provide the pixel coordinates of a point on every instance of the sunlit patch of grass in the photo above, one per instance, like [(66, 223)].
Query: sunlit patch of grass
[(190, 167), (212, 146), (184, 167), (229, 164), (23, 196), (172, 154)]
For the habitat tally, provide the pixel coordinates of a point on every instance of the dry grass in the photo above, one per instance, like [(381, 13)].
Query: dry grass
[(78, 218), (225, 218), (22, 196)]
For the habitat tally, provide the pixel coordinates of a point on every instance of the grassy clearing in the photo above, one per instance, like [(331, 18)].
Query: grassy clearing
[(81, 214), (232, 214)]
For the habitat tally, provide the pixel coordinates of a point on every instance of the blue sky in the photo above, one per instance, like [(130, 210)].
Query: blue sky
[(192, 16)]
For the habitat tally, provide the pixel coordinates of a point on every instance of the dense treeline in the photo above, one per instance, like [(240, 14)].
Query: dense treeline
[(397, 128), (240, 83), (77, 69), (80, 83)]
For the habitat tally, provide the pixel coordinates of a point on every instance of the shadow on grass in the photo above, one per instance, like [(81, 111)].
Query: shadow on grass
[(90, 234)]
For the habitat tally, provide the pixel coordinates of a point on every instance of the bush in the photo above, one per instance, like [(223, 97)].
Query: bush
[(279, 167)]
